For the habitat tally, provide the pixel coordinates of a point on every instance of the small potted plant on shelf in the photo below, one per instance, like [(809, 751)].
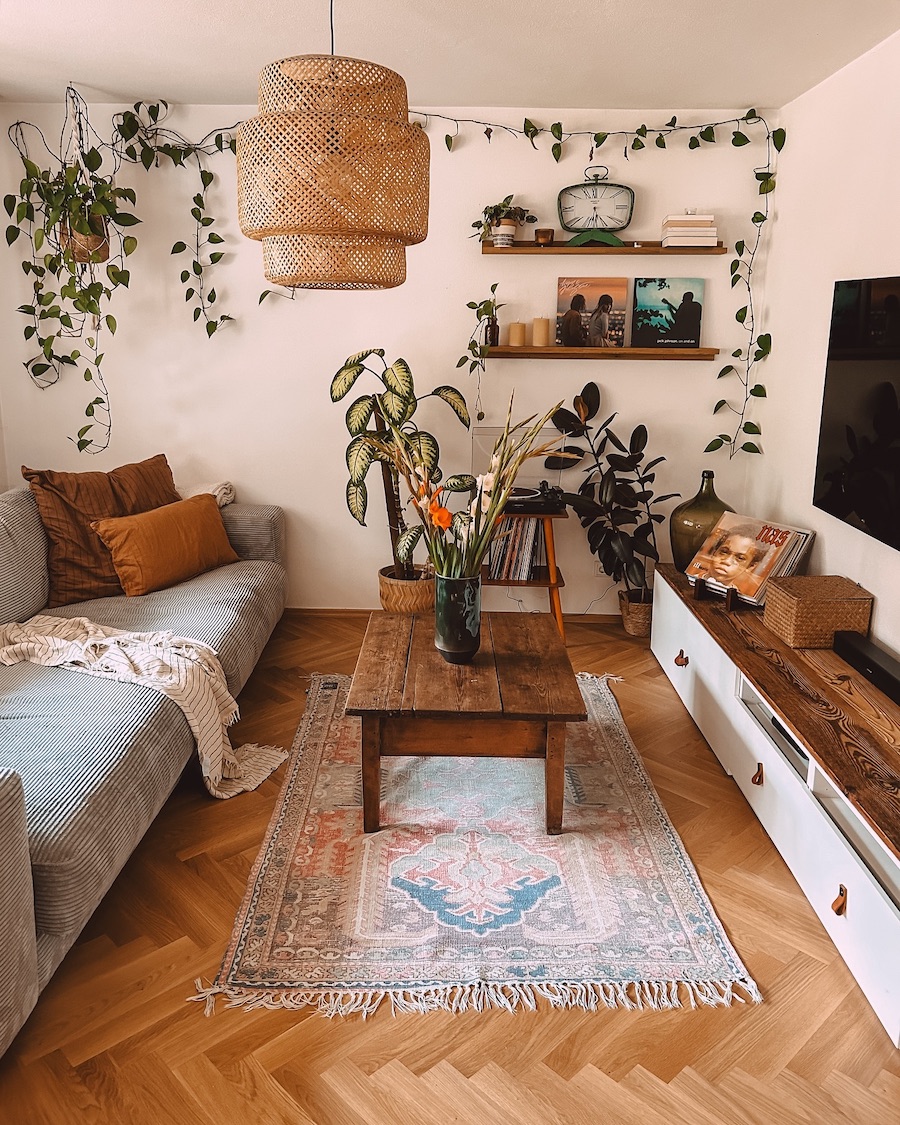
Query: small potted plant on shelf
[(614, 502), (404, 587), (501, 213)]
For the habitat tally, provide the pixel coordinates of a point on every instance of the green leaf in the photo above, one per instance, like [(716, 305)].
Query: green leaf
[(448, 141), (360, 456), (359, 413), (758, 391), (455, 401), (751, 428), (708, 134), (750, 447), (694, 142), (147, 156), (265, 293), (767, 185), (197, 313), (185, 276), (779, 136), (751, 115), (738, 138), (188, 293), (757, 218), (660, 141), (357, 501), (197, 268), (764, 343), (92, 160), (111, 324), (741, 315), (672, 122), (715, 444), (345, 378), (206, 178), (9, 202), (213, 237), (397, 408), (123, 219), (178, 248), (735, 266), (406, 543), (530, 130), (599, 138), (129, 244), (556, 130), (398, 378), (12, 233), (211, 326), (726, 371), (637, 143), (216, 257), (740, 247), (722, 402), (556, 150), (38, 239), (459, 482), (426, 450)]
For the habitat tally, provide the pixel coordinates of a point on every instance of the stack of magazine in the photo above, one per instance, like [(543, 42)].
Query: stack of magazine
[(512, 554), (745, 553)]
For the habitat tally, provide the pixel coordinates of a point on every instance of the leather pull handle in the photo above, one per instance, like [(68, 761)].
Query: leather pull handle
[(839, 906), (760, 776), (681, 660)]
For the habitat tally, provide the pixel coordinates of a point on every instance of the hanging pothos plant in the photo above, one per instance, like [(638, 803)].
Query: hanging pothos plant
[(743, 432)]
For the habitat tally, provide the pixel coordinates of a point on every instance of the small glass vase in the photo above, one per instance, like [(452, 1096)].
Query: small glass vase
[(692, 520), (457, 618)]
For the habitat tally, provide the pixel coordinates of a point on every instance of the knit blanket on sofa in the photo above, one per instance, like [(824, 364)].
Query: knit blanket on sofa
[(186, 671)]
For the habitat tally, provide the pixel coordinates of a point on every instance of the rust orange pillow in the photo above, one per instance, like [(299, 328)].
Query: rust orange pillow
[(79, 565), (156, 549)]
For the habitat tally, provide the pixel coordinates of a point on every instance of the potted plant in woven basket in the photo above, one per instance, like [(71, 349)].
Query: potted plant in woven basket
[(404, 587), (614, 502), (504, 213)]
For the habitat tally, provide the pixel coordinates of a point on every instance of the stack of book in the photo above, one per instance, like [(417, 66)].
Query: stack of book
[(511, 557), (746, 553), (689, 230)]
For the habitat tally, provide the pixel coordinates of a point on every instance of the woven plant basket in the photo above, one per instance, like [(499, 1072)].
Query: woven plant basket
[(332, 176), (805, 611), (402, 595), (85, 246), (635, 615)]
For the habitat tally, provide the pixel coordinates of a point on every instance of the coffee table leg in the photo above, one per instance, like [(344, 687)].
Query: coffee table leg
[(555, 776), (371, 772)]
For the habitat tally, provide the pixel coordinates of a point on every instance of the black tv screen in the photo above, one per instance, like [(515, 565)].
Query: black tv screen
[(858, 464)]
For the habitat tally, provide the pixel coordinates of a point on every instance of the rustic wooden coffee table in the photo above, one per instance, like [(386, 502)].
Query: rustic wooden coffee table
[(512, 701)]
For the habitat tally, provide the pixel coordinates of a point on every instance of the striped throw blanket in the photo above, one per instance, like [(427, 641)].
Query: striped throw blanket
[(186, 671)]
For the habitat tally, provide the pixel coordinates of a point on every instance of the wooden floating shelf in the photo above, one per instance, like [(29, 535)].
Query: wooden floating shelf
[(540, 579), (628, 248), (504, 351)]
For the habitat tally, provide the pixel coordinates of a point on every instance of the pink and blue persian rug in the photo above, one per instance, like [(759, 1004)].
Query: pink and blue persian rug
[(462, 900)]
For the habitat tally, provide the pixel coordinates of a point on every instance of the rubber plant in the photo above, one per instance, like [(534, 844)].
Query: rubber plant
[(615, 502), (372, 415)]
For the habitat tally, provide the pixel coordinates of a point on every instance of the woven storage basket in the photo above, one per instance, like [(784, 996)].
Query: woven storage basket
[(400, 595), (806, 611)]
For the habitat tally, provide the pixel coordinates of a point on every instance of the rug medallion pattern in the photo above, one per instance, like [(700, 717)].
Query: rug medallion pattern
[(462, 899)]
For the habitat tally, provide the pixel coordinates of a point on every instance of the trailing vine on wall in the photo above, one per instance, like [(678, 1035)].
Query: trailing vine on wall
[(745, 130)]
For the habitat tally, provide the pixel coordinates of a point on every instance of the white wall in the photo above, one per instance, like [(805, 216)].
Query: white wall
[(837, 218), (252, 405)]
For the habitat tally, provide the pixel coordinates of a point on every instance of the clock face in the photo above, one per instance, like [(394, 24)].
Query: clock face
[(596, 206)]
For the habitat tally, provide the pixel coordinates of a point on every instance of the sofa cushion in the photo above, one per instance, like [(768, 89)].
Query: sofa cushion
[(23, 557), (79, 564), (156, 549)]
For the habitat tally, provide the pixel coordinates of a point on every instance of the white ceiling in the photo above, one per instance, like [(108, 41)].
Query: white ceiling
[(626, 54)]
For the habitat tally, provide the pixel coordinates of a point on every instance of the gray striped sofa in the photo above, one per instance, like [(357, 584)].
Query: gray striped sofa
[(86, 763)]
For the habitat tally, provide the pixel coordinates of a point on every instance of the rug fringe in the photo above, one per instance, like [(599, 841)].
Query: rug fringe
[(484, 995)]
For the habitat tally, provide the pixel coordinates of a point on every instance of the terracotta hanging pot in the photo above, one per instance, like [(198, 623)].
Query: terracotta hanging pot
[(87, 247)]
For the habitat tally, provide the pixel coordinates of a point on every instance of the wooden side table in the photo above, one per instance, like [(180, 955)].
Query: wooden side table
[(512, 701), (548, 577)]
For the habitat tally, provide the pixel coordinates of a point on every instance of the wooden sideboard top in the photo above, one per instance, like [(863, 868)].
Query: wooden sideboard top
[(849, 727)]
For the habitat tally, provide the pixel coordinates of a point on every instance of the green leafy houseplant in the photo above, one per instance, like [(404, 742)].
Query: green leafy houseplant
[(372, 421), (615, 501), (494, 212)]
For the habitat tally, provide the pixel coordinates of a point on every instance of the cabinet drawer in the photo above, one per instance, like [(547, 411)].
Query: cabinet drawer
[(702, 675), (867, 932)]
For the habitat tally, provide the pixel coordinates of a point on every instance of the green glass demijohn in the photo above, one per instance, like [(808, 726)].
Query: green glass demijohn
[(692, 520)]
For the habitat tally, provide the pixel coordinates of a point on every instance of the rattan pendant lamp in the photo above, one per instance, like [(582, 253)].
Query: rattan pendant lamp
[(332, 177)]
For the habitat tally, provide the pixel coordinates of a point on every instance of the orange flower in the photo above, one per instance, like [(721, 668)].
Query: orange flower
[(440, 517)]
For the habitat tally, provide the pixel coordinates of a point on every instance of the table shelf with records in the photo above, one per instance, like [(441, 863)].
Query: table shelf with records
[(526, 557)]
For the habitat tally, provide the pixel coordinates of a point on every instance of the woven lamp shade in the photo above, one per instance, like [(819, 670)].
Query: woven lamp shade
[(332, 177)]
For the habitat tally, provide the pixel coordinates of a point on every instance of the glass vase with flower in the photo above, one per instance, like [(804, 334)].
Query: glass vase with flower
[(458, 541)]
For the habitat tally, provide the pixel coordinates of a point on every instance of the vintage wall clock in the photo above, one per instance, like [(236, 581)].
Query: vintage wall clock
[(596, 209)]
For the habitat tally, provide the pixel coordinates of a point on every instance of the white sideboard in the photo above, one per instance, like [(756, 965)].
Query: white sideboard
[(815, 750)]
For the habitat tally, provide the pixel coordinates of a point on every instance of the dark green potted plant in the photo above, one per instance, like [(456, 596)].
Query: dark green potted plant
[(494, 212), (615, 501), (372, 415)]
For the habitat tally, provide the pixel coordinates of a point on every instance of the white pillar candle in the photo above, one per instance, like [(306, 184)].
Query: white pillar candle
[(540, 332), (516, 334)]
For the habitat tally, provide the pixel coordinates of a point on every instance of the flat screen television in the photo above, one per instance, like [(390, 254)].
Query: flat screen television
[(858, 463)]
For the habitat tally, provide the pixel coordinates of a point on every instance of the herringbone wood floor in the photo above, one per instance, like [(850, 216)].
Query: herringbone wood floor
[(113, 1041)]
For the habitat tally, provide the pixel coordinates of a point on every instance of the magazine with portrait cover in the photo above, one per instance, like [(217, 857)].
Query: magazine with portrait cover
[(667, 312), (591, 311), (745, 553)]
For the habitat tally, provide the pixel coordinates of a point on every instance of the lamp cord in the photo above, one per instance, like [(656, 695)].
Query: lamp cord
[(331, 21)]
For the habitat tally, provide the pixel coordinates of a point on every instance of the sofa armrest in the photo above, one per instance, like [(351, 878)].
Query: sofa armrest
[(18, 943), (256, 531)]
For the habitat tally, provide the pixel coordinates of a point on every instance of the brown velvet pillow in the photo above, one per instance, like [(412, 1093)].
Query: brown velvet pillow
[(156, 549), (80, 567)]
